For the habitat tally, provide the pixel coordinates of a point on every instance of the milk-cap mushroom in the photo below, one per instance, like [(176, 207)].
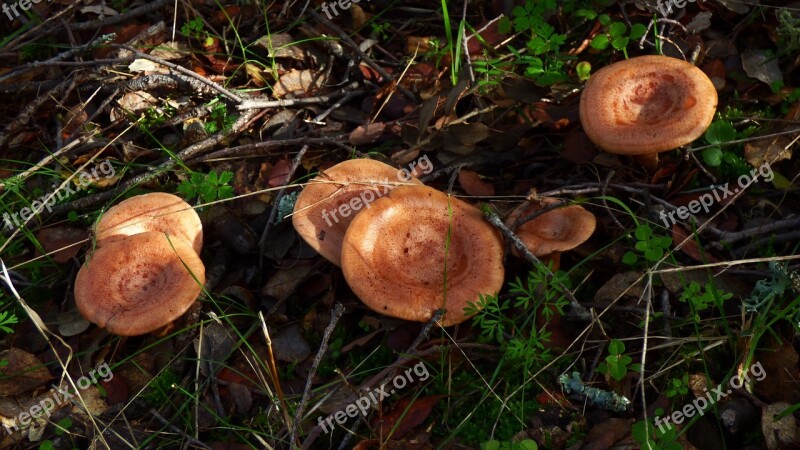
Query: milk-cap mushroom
[(552, 232), (139, 284), (327, 205), (156, 211), (394, 255), (646, 105)]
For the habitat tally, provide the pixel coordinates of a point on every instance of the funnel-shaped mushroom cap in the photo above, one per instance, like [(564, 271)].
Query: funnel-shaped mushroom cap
[(395, 254), (156, 211), (558, 230), (647, 104), (136, 285), (325, 208)]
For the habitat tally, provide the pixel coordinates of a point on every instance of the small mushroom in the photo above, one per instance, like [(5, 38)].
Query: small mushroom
[(553, 232), (139, 284), (325, 208), (156, 211), (397, 255), (646, 105)]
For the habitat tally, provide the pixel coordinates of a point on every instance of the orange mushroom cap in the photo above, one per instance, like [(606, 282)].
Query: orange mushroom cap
[(138, 284), (395, 254), (558, 230), (325, 207), (156, 211), (647, 104)]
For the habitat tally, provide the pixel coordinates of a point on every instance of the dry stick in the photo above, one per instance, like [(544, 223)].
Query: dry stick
[(56, 17), (58, 60), (183, 70), (386, 374), (261, 148), (580, 312), (273, 370), (605, 203), (349, 41), (177, 430), (338, 310), (190, 152), (120, 18), (260, 103), (736, 236)]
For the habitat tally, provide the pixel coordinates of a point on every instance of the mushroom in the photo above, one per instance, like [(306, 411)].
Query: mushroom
[(156, 211), (646, 105), (140, 283), (553, 232), (397, 255), (325, 208)]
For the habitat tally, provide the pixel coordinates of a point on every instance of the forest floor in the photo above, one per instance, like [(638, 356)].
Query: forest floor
[(663, 330)]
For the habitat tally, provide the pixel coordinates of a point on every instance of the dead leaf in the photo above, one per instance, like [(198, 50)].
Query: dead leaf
[(472, 184), (768, 151), (56, 239), (298, 82), (289, 345), (367, 134), (762, 66), (22, 373), (603, 435), (285, 281), (409, 413), (690, 247)]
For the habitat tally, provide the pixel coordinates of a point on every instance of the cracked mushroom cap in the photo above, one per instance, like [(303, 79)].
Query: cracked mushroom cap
[(156, 211), (646, 105), (139, 284), (557, 230), (327, 205), (394, 255)]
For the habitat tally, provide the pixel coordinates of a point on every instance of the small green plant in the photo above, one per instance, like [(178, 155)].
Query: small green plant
[(650, 246), (7, 318), (617, 35), (543, 63), (539, 295), (678, 386), (617, 363), (207, 188), (702, 298), (155, 118), (380, 29), (651, 437), (194, 29), (219, 119)]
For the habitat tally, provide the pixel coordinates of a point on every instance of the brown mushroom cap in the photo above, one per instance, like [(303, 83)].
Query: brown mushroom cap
[(156, 211), (558, 230), (325, 207), (647, 104), (394, 257), (138, 284)]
